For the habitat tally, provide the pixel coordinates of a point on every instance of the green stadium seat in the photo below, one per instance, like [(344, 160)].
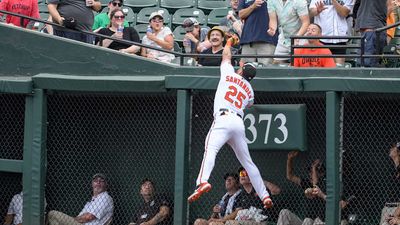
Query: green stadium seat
[(141, 3), (141, 29), (179, 33), (213, 4), (44, 15), (43, 9), (216, 15), (143, 15), (181, 14), (173, 5), (395, 41), (130, 16), (177, 48)]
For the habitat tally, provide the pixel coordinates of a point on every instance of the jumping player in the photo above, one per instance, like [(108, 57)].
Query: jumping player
[(234, 93)]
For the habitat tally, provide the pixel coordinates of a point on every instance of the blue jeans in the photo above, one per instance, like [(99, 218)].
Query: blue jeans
[(75, 36), (374, 43)]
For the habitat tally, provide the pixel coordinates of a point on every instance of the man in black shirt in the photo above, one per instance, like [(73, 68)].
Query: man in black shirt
[(155, 209)]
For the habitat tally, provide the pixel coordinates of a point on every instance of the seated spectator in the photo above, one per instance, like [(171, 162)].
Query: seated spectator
[(158, 36), (14, 213), (97, 211), (102, 20), (331, 17), (227, 208), (195, 40), (232, 20), (113, 30), (25, 7), (216, 37), (394, 219), (154, 210), (395, 156), (313, 30), (249, 198)]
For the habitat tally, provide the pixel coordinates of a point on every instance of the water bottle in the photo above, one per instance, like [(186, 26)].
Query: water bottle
[(149, 29), (120, 29), (188, 45)]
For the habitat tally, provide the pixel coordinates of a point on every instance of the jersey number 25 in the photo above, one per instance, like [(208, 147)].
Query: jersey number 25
[(235, 97)]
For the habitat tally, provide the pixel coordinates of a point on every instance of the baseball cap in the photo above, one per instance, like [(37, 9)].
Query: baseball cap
[(218, 28), (156, 13), (189, 24), (99, 175)]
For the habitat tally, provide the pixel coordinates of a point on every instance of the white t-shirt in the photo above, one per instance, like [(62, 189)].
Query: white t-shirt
[(234, 92), (15, 208), (162, 56), (332, 24), (101, 206)]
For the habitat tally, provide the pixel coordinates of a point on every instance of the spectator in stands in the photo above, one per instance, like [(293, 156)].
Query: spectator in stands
[(293, 20), (226, 209), (25, 7), (372, 15), (127, 33), (160, 37), (248, 197), (196, 37), (155, 209), (232, 20), (255, 39), (98, 210), (14, 213), (102, 20), (331, 17), (313, 30), (216, 37), (75, 15)]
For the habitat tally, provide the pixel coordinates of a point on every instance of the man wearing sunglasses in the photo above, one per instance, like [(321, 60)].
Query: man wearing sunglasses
[(103, 19)]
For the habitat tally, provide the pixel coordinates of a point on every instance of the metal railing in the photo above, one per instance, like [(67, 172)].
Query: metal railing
[(291, 55)]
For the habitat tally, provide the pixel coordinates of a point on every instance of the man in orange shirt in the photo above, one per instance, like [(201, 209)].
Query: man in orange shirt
[(313, 30)]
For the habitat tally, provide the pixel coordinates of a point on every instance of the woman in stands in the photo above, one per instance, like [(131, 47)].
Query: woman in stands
[(158, 36), (116, 29)]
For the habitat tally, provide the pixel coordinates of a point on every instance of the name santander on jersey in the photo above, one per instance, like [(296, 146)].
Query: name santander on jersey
[(239, 82)]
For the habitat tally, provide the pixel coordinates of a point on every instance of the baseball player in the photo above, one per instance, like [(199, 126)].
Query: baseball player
[(233, 94)]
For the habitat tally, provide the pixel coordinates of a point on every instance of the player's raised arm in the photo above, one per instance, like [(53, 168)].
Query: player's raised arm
[(227, 54)]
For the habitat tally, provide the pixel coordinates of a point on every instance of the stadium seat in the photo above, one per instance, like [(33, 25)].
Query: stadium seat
[(44, 15), (216, 15), (141, 3), (130, 16), (141, 29), (177, 48), (104, 2), (179, 33), (43, 9), (395, 41), (143, 15), (213, 4), (397, 32), (173, 5), (181, 14)]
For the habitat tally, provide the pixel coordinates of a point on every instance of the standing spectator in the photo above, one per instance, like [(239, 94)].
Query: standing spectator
[(370, 16), (227, 208), (313, 30), (97, 211), (331, 17), (216, 38), (158, 36), (128, 33), (292, 19), (24, 7), (102, 20), (73, 14), (196, 37), (232, 20), (155, 209), (255, 39)]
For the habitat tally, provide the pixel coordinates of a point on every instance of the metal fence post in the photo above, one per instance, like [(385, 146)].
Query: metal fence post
[(182, 156), (34, 158), (332, 210)]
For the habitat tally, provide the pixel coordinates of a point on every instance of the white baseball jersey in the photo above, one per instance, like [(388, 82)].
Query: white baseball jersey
[(234, 92)]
